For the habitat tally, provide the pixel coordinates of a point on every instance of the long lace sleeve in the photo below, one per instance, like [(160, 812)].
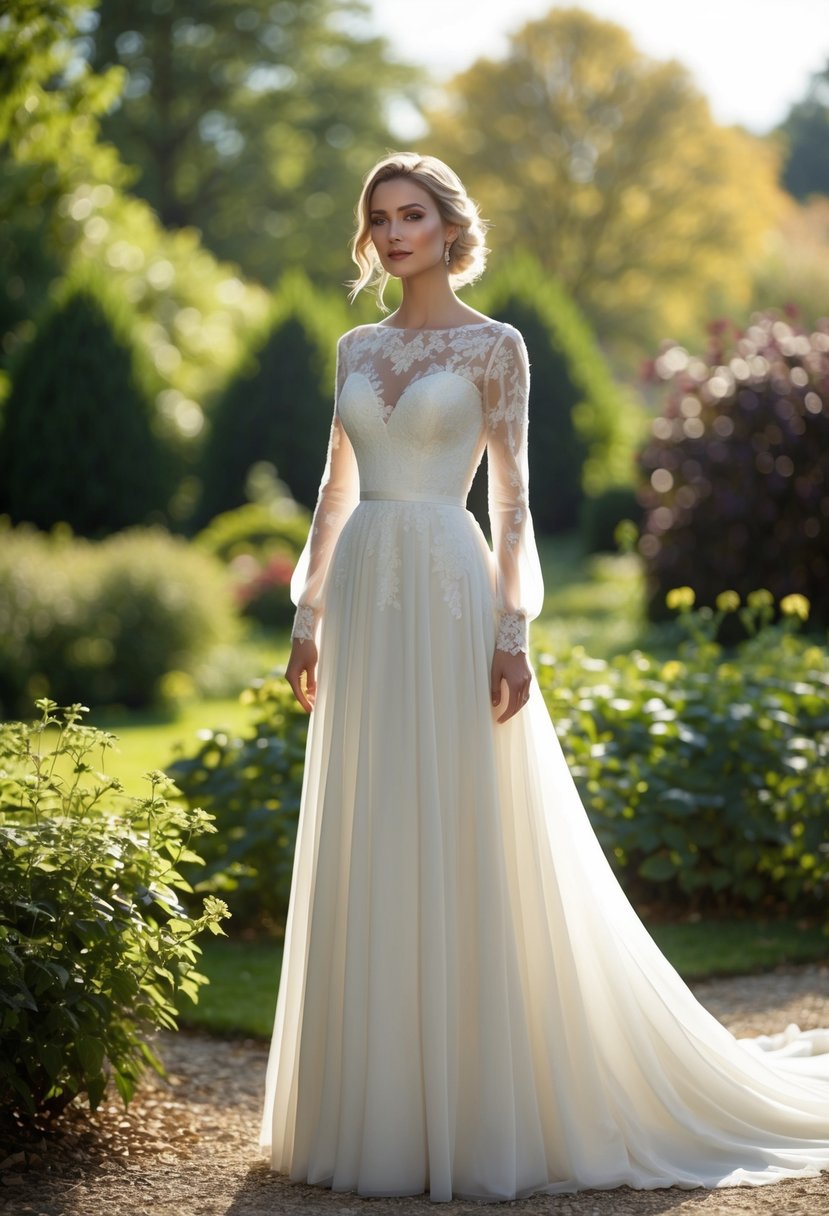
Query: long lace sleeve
[(519, 581), (338, 494)]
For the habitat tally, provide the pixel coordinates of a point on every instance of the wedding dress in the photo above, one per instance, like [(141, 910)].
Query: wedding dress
[(469, 1005)]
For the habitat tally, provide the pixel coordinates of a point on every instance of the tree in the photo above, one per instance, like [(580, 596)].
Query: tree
[(806, 133), (251, 121), (63, 201), (583, 426), (608, 167), (50, 105), (78, 443), (277, 406)]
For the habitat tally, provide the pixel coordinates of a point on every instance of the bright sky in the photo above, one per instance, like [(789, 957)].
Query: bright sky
[(752, 58)]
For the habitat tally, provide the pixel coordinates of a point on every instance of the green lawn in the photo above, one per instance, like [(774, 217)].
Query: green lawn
[(595, 602), (241, 996)]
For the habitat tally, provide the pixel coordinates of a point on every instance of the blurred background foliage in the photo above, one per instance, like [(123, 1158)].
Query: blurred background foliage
[(249, 121), (176, 203), (608, 167)]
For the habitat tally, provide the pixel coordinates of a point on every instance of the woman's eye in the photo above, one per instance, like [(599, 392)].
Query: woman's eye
[(376, 220), (415, 215)]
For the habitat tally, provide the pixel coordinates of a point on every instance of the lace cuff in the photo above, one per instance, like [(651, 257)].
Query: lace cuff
[(305, 623), (512, 633)]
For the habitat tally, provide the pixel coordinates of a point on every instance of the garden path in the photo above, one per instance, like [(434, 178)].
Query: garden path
[(186, 1146)]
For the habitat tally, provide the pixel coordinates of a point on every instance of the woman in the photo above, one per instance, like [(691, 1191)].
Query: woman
[(468, 1004)]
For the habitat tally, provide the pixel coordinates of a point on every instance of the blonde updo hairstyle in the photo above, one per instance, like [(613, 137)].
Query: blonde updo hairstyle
[(467, 253)]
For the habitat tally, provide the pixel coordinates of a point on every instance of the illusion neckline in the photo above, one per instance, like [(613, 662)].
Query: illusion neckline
[(434, 329)]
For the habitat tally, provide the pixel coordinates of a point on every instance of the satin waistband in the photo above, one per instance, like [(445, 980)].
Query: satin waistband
[(442, 500)]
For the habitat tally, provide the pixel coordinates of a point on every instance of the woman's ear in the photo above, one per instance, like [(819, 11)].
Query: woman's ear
[(451, 233)]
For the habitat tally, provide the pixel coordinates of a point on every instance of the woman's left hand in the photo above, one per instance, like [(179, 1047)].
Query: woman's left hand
[(515, 671)]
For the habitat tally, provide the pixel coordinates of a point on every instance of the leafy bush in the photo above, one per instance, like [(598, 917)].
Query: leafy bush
[(78, 443), (95, 944), (738, 467), (252, 788), (277, 406), (263, 592), (254, 529), (111, 617), (706, 776), (583, 426), (260, 543)]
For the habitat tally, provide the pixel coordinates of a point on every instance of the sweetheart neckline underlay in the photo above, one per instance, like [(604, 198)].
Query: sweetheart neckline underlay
[(418, 380)]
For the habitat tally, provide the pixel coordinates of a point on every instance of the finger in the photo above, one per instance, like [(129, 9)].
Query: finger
[(513, 705), (296, 689), (517, 700)]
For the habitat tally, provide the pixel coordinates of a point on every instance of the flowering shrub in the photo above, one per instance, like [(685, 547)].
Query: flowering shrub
[(263, 591), (737, 468), (95, 945), (260, 543)]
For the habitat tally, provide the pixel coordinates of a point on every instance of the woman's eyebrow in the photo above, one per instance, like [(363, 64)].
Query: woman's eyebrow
[(406, 207)]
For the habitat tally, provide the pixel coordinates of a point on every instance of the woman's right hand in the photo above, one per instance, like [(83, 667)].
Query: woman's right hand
[(303, 661)]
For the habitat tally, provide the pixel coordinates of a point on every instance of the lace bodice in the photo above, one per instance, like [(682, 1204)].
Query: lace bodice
[(414, 412)]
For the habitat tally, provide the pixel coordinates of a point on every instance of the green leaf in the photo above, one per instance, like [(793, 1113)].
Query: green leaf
[(52, 1058), (91, 1052), (658, 869)]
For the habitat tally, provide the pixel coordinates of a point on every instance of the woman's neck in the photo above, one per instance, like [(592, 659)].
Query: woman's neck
[(430, 303)]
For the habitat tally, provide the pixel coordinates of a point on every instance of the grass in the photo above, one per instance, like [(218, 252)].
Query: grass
[(244, 975), (241, 996), (591, 601), (738, 947), (149, 739)]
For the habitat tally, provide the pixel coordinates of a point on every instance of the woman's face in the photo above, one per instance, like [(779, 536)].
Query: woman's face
[(406, 227)]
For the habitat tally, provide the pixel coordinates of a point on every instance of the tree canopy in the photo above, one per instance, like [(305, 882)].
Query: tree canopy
[(608, 166), (78, 441), (806, 133), (63, 201), (49, 139), (251, 121)]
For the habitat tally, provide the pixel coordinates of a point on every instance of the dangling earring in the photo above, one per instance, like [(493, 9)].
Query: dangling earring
[(446, 255)]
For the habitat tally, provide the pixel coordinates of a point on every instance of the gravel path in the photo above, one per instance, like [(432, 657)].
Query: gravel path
[(187, 1146)]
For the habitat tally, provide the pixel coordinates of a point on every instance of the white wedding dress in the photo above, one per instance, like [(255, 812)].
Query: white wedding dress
[(469, 1005)]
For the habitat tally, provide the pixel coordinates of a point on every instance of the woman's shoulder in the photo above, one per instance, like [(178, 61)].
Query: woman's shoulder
[(492, 325), (355, 331)]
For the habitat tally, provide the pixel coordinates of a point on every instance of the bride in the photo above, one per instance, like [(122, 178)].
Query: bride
[(469, 1006)]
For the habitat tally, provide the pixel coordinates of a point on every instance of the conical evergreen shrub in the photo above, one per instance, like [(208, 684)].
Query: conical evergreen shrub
[(77, 442), (582, 425), (277, 406)]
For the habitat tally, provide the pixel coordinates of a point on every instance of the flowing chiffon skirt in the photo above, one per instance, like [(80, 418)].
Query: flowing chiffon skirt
[(469, 1005)]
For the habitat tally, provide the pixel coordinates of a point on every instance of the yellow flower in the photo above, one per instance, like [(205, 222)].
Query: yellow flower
[(761, 598), (728, 601), (795, 605), (680, 598), (672, 670)]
